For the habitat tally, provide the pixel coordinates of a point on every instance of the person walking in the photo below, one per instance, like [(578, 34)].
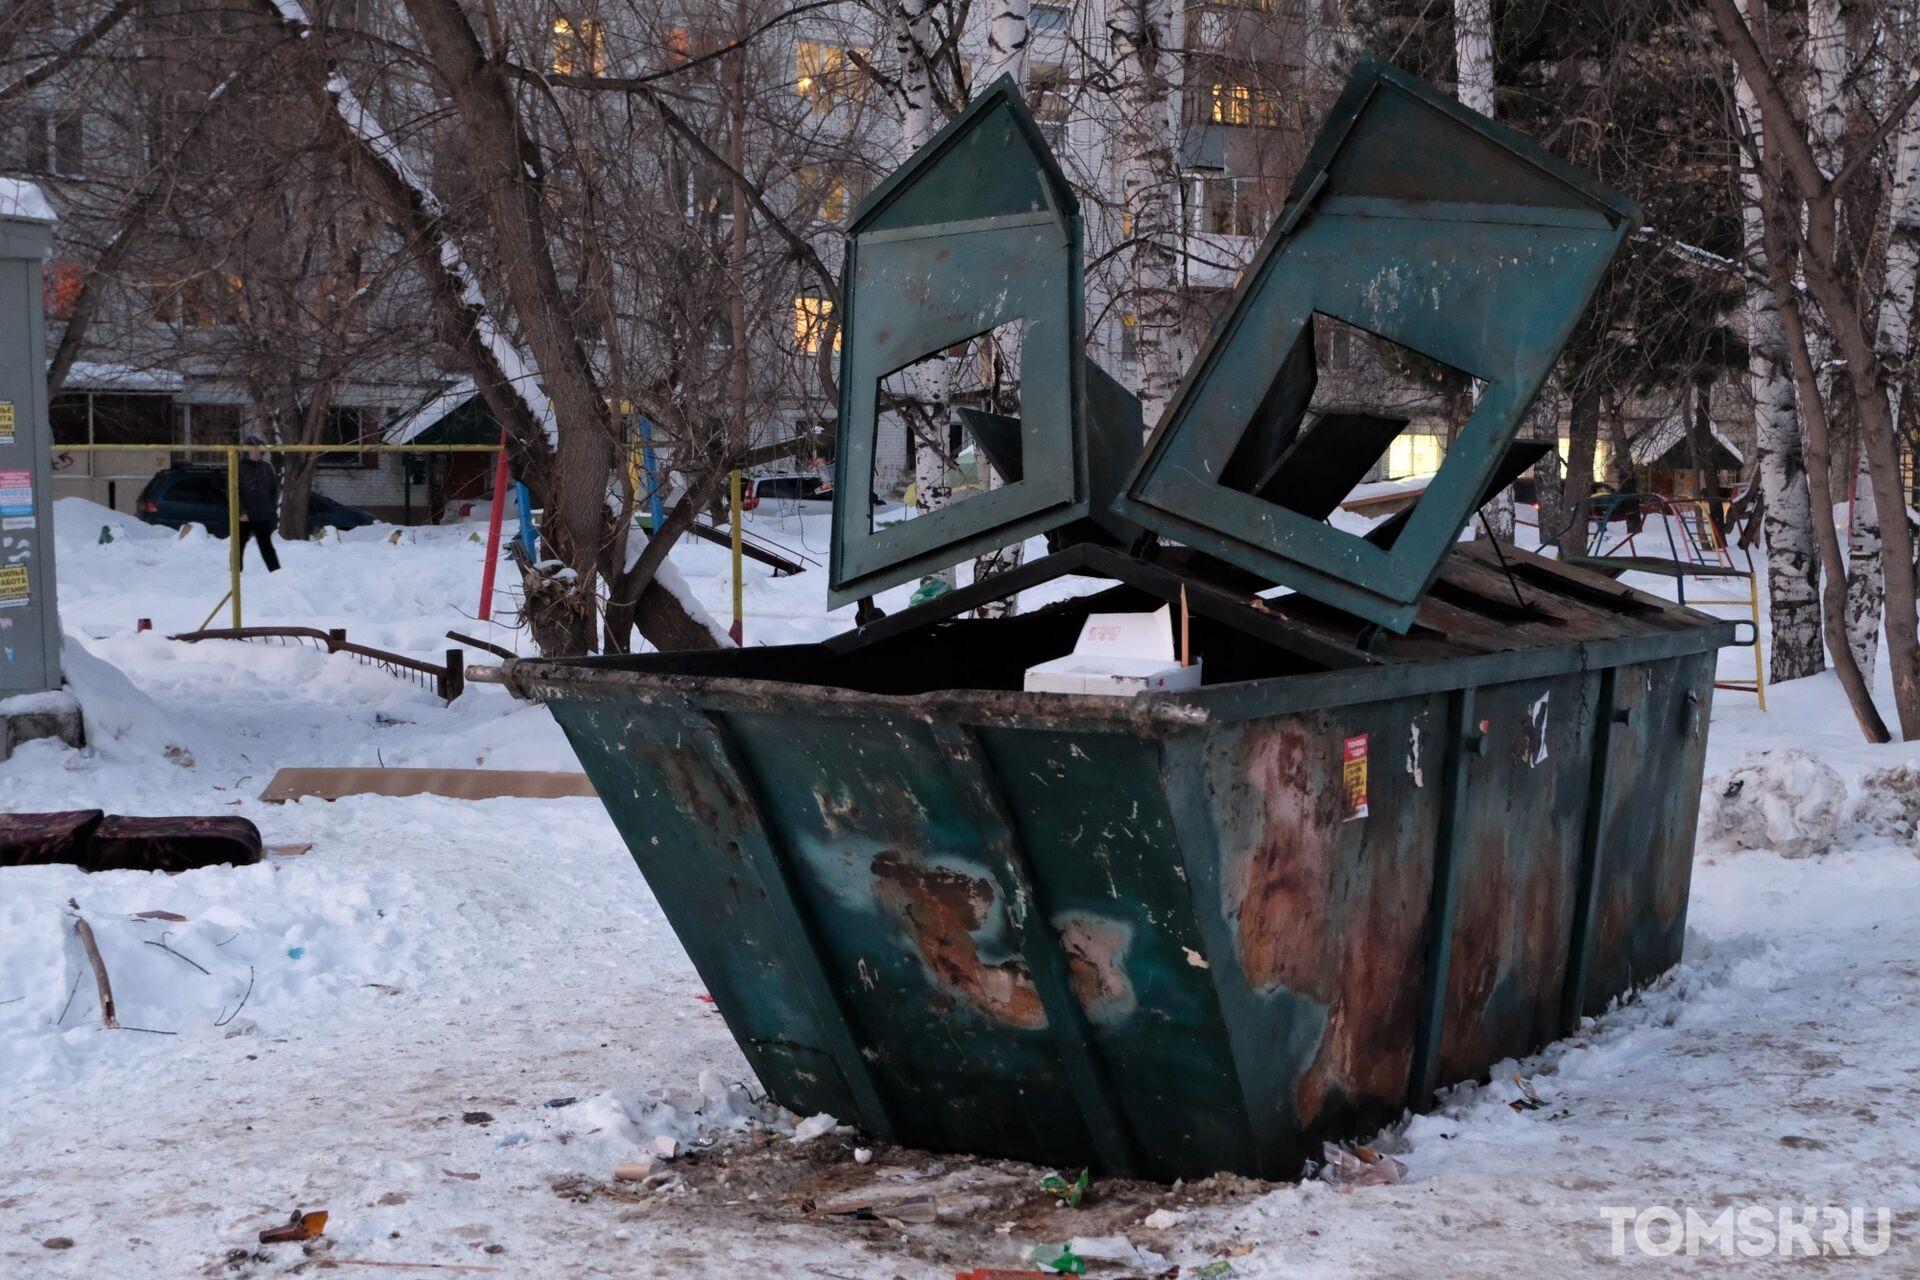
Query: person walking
[(259, 503)]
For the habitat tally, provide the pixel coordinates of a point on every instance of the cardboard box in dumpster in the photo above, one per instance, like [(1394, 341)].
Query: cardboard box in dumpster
[(1117, 653)]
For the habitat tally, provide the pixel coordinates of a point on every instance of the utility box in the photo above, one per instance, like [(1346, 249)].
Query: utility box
[(1431, 803), (29, 621)]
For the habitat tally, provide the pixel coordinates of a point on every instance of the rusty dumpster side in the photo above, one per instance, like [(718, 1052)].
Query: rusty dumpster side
[(1158, 939)]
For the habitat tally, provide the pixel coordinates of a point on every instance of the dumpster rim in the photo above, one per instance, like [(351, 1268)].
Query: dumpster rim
[(1145, 714)]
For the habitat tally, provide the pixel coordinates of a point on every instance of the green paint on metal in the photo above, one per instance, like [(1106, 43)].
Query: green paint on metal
[(977, 229), (1425, 224)]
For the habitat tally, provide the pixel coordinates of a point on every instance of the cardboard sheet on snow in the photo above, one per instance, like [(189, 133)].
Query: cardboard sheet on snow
[(455, 784)]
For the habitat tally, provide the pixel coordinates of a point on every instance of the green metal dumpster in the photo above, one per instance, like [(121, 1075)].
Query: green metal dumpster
[(1433, 802)]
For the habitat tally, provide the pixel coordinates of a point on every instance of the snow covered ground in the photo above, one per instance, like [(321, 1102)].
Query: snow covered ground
[(378, 1027)]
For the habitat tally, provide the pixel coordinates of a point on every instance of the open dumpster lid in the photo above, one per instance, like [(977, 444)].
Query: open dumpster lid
[(977, 229), (1421, 223)]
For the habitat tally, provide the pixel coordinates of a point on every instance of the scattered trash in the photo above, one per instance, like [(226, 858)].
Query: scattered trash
[(929, 589), (1360, 1166), (894, 1208), (863, 1155), (633, 1171), (1116, 1249), (1218, 1269), (106, 535), (1057, 1185), (1059, 1259), (290, 850), (173, 916), (553, 1104), (814, 1127), (57, 1242), (301, 1226), (455, 1173), (294, 953), (477, 1117), (1161, 1219), (1529, 1099), (998, 1273), (513, 1140), (704, 998), (667, 1146)]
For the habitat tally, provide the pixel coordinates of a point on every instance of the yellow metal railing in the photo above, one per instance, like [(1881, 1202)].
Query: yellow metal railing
[(231, 453), (1707, 535)]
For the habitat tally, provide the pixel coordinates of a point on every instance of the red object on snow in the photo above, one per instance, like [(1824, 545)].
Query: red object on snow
[(493, 530)]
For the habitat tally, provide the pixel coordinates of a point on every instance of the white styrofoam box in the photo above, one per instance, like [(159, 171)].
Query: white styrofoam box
[(1118, 654)]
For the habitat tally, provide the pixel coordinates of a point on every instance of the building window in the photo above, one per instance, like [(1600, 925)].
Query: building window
[(35, 155), (826, 75), (811, 317), (1235, 104), (829, 191), (204, 301), (1225, 206), (579, 47), (1048, 92), (1412, 456), (1047, 19), (350, 426), (1128, 349)]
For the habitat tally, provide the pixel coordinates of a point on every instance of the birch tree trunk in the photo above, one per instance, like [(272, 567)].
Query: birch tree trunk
[(1793, 572), (926, 411), (1142, 149), (1007, 39), (1892, 336), (1473, 70)]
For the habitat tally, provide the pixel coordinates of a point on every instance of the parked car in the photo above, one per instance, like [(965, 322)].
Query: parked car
[(198, 494)]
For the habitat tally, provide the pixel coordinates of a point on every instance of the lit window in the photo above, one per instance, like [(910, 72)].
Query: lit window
[(826, 74), (1240, 104), (579, 47), (1413, 456), (826, 191), (811, 316), (1127, 348)]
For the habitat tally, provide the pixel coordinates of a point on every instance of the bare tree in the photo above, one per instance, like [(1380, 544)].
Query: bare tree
[(1803, 243), (1141, 142)]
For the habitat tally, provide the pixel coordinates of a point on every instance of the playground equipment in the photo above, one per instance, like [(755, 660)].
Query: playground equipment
[(1701, 550), (449, 678), (1429, 808)]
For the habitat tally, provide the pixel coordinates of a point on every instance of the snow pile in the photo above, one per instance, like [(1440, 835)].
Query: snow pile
[(655, 1124), (80, 519), (1888, 803), (122, 722), (260, 949), (1784, 800)]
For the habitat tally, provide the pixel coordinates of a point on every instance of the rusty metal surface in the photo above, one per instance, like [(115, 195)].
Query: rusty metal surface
[(1248, 958), (1184, 932)]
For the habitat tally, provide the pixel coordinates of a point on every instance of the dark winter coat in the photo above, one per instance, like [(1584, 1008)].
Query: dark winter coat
[(259, 491)]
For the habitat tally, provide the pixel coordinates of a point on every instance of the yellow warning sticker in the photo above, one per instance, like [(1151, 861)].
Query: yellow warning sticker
[(6, 422), (13, 586), (1353, 775)]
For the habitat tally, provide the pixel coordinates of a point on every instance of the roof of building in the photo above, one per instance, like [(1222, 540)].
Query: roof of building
[(86, 375), (23, 200)]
